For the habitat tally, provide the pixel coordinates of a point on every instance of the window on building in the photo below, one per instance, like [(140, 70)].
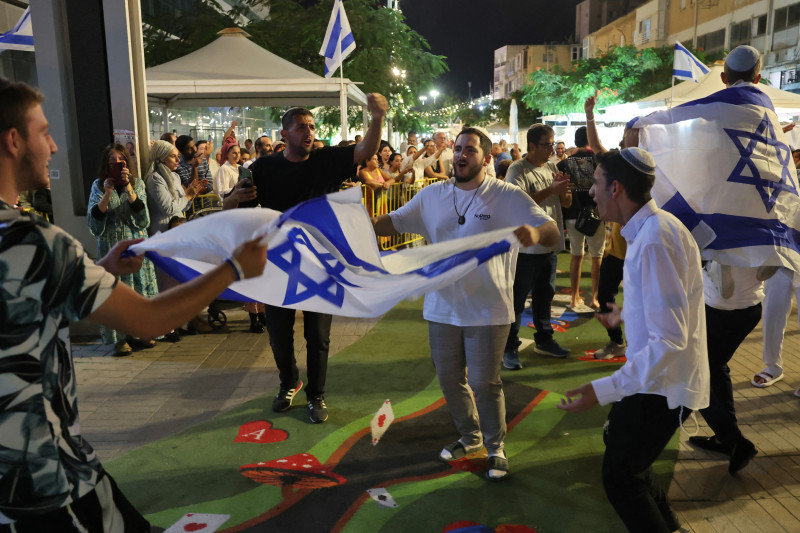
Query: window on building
[(644, 30), (712, 42), (760, 26), (787, 17), (683, 4), (740, 33), (576, 53), (547, 58), (622, 40), (793, 17)]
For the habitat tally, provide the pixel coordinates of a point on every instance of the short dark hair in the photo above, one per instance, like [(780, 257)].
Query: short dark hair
[(637, 184), (536, 132), (167, 136), (485, 142), (16, 98), (248, 140), (502, 167), (182, 142), (201, 141), (288, 118), (750, 75), (581, 137), (102, 167)]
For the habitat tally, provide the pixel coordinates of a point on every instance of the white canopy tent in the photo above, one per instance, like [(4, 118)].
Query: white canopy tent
[(233, 71), (787, 104)]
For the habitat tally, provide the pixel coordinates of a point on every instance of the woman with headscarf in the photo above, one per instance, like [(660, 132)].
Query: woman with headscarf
[(117, 212), (165, 195)]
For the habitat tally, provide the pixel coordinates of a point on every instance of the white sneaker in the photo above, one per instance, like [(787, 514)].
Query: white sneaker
[(611, 350)]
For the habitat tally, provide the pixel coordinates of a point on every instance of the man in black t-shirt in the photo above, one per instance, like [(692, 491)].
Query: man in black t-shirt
[(580, 166), (283, 180)]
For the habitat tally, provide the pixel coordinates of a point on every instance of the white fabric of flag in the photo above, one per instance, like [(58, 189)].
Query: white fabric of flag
[(323, 256), (687, 67), (20, 37), (339, 41), (724, 168)]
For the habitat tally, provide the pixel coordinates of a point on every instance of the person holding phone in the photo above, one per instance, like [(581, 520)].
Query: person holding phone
[(117, 212)]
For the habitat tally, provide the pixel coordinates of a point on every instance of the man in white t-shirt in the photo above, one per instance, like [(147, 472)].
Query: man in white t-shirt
[(536, 266), (469, 320)]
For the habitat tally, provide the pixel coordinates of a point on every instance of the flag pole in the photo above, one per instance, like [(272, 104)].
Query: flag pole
[(342, 93), (671, 91)]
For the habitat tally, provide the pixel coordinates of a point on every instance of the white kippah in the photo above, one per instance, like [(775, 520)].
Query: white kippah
[(742, 58), (482, 130), (639, 159)]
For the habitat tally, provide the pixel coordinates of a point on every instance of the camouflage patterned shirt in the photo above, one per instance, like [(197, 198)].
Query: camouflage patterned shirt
[(46, 281)]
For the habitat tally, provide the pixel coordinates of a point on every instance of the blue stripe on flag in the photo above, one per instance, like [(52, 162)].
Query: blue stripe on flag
[(734, 231), (330, 51), (10, 38), (684, 73), (736, 96), (183, 273), (348, 40), (482, 255)]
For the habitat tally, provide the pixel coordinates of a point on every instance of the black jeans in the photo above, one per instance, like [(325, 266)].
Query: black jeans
[(535, 273), (725, 331), (639, 427), (317, 332), (608, 288)]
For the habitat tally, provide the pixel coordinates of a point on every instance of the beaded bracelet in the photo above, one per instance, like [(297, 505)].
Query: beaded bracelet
[(237, 268)]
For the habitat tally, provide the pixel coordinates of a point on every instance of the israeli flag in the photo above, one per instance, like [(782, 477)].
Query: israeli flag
[(687, 67), (723, 166), (20, 37), (339, 41), (323, 256)]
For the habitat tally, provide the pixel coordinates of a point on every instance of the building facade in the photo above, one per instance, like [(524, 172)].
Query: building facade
[(509, 69)]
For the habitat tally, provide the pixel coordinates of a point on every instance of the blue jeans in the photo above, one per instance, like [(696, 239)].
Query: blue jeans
[(535, 273)]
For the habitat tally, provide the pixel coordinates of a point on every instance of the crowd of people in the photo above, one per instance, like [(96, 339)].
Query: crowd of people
[(677, 354)]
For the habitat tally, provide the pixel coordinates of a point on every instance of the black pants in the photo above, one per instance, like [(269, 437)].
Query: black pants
[(639, 427), (536, 274), (317, 332), (725, 331), (608, 288)]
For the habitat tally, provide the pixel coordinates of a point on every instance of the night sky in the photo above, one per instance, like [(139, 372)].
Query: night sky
[(468, 32)]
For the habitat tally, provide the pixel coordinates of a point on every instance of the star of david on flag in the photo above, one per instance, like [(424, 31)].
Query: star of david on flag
[(323, 256), (725, 169)]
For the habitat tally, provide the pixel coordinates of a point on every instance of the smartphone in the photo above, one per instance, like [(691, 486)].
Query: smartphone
[(115, 170), (247, 183)]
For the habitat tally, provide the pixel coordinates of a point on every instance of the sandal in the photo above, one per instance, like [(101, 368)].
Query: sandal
[(498, 468), (768, 380), (122, 349), (456, 450), (797, 393)]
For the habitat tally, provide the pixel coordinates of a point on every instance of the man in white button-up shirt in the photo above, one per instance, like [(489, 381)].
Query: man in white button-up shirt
[(667, 374)]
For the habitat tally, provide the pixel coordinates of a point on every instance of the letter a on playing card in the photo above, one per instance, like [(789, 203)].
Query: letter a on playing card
[(381, 420)]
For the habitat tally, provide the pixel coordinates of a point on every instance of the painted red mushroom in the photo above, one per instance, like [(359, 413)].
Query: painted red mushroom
[(302, 471)]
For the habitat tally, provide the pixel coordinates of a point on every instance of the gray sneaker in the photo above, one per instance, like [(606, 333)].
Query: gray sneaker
[(611, 350)]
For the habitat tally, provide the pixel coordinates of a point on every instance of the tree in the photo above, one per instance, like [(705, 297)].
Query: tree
[(295, 30), (623, 74)]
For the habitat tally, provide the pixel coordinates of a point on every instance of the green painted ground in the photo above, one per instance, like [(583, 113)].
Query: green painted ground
[(555, 457)]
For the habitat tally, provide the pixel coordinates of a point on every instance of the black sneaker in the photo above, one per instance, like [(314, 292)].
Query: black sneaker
[(743, 452), (283, 401), (551, 348), (511, 360), (317, 410)]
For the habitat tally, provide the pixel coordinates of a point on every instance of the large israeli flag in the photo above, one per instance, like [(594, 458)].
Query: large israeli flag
[(687, 67), (323, 256), (339, 41), (20, 37), (724, 168)]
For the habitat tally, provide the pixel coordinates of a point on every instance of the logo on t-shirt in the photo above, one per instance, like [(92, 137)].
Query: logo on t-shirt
[(482, 217)]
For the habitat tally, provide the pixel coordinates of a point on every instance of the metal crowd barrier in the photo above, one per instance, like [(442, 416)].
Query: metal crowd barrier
[(204, 204), (383, 201)]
